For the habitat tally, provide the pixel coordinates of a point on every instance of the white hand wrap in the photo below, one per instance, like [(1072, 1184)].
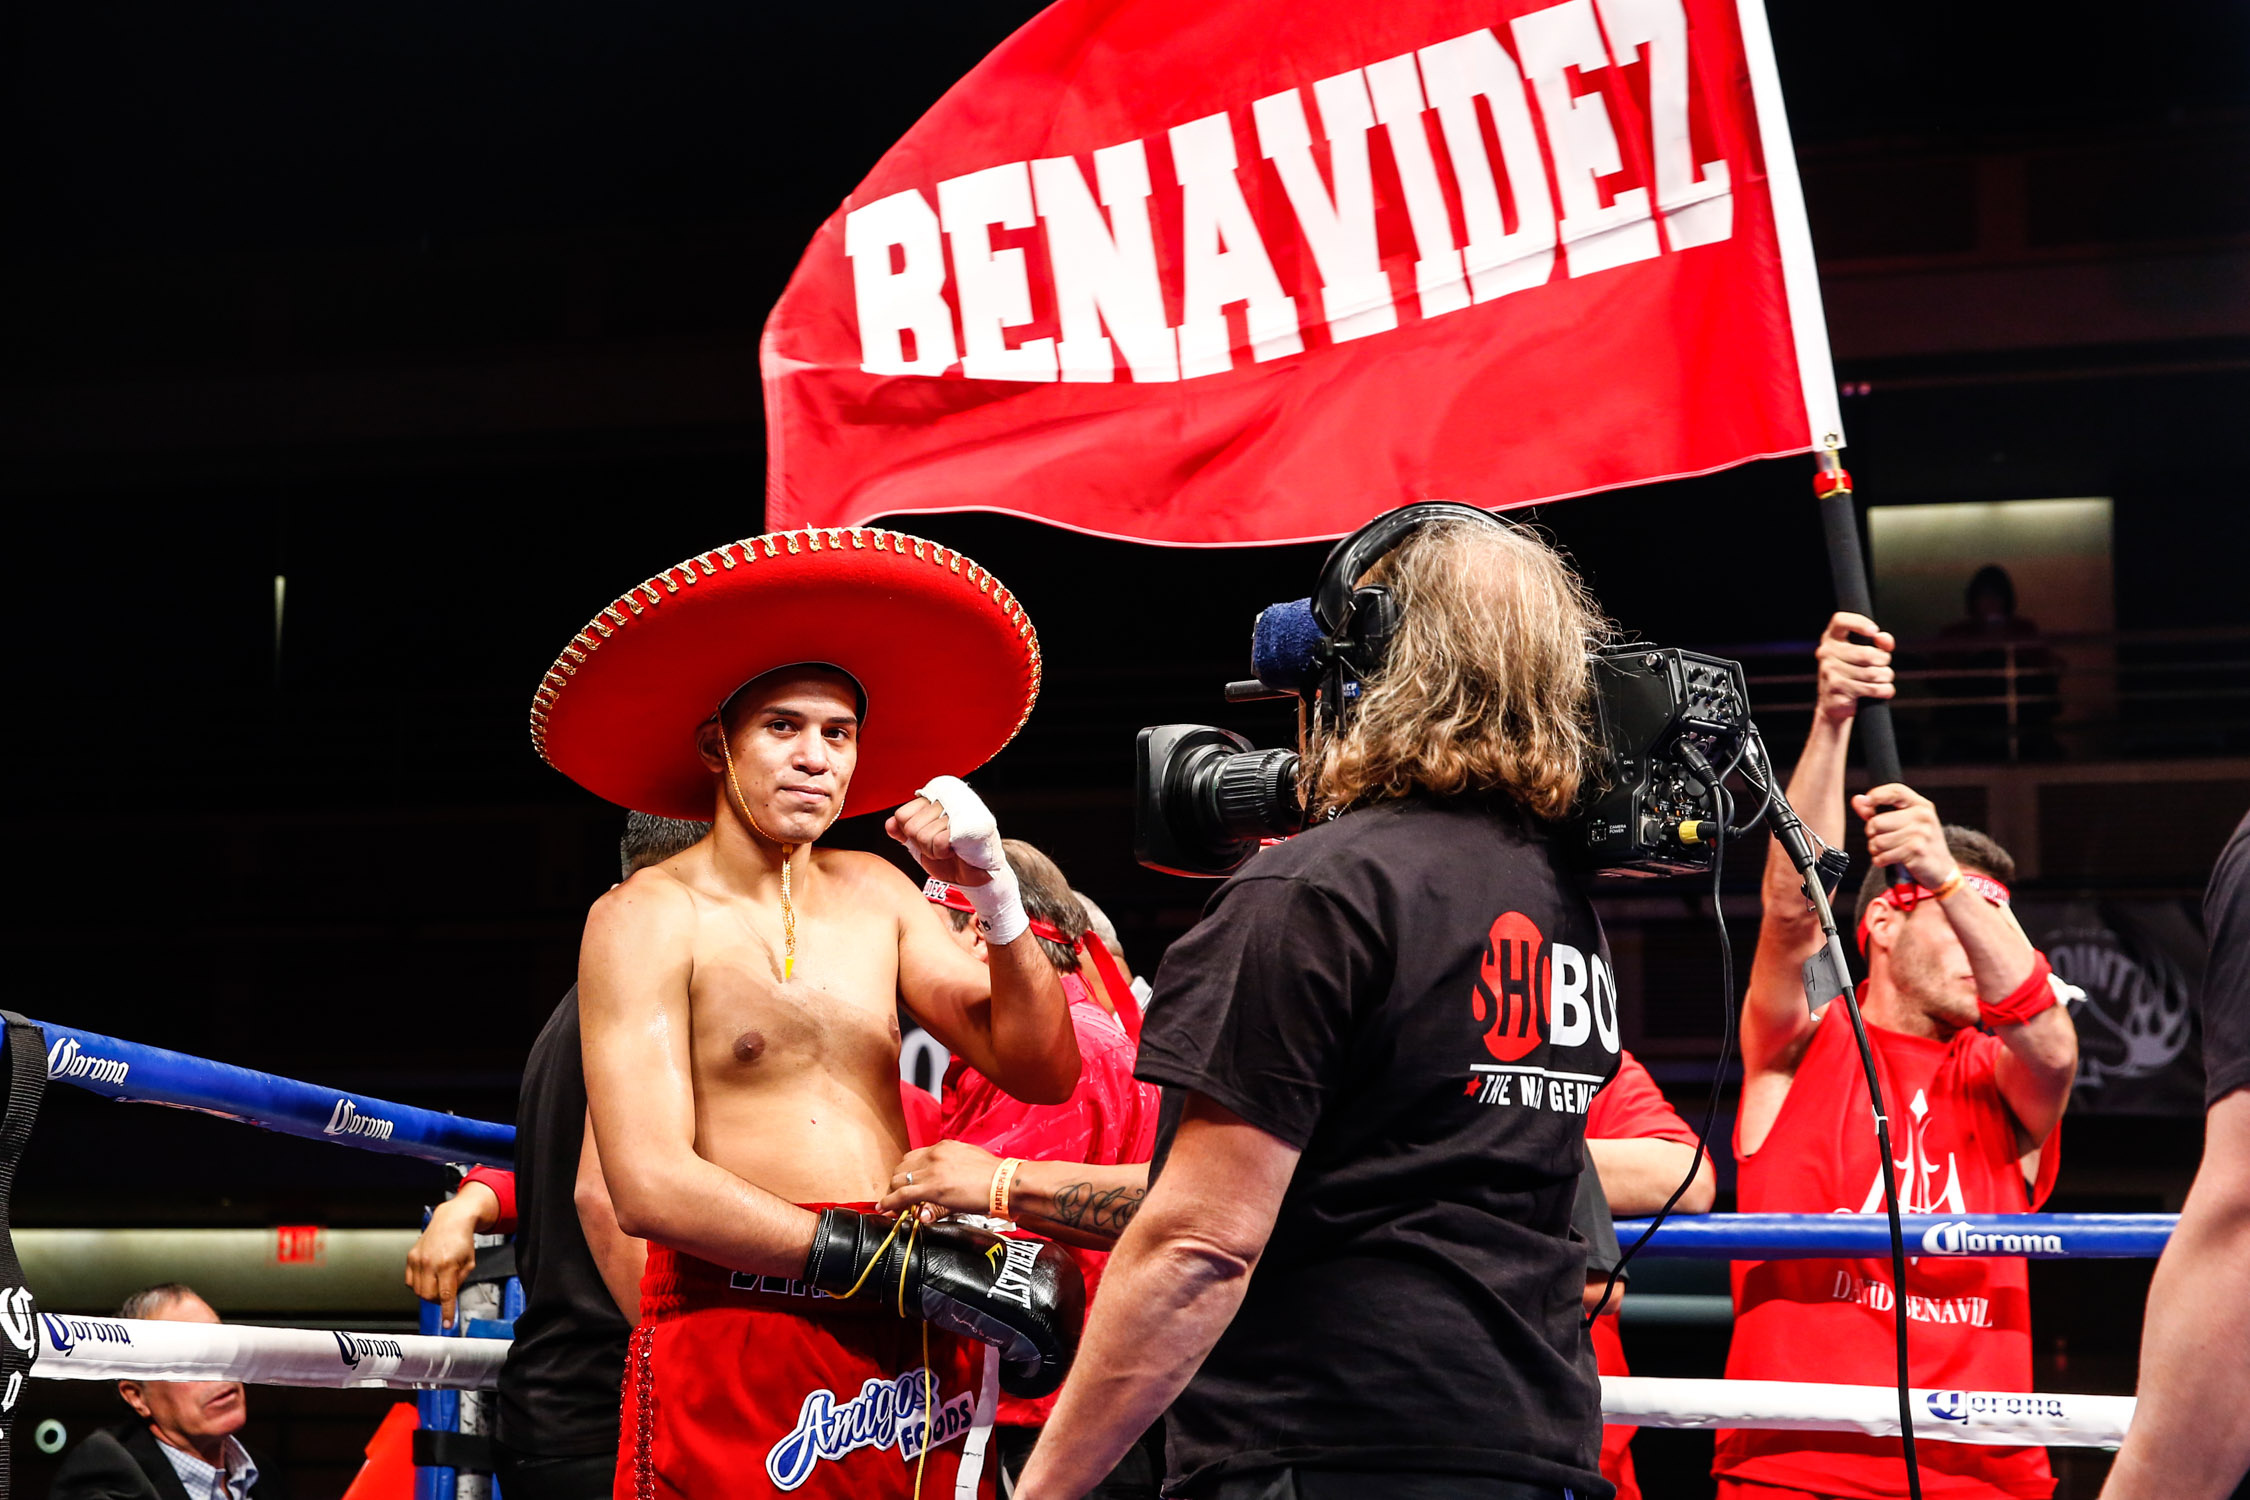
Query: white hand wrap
[(976, 841)]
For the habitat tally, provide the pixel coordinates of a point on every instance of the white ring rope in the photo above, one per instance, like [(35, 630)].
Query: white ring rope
[(74, 1348), (2002, 1418)]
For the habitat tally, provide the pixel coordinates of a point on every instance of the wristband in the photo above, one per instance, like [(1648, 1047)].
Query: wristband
[(1003, 1188), (1949, 885), (999, 906), (2028, 999)]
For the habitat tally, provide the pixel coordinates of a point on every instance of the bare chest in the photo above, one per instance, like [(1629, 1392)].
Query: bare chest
[(835, 1013)]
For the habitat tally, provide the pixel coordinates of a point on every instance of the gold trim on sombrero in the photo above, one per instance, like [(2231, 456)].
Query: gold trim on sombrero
[(610, 619)]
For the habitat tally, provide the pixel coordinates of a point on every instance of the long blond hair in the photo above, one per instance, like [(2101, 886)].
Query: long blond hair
[(1486, 688)]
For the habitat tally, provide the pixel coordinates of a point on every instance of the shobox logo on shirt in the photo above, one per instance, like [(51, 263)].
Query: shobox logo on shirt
[(1530, 991)]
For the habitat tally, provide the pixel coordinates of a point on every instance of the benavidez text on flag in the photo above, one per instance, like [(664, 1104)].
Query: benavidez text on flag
[(1526, 135)]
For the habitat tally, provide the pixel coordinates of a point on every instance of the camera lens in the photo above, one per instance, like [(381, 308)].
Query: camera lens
[(1250, 796), (1203, 799)]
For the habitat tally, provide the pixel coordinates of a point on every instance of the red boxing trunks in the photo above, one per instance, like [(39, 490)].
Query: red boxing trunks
[(757, 1385)]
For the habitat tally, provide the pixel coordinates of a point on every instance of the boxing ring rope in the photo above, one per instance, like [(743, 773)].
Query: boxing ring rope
[(451, 1449), (2003, 1418), (134, 1073), (92, 1348), (1859, 1236), (75, 1348)]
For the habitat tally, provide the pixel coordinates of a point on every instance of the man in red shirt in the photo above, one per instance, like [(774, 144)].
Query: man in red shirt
[(1640, 1149), (1109, 1120), (1973, 1114)]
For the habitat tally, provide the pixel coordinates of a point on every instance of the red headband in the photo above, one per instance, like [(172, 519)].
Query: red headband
[(939, 893), (1904, 898)]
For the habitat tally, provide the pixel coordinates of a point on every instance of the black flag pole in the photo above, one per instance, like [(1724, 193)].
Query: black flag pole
[(1839, 521), (1847, 566)]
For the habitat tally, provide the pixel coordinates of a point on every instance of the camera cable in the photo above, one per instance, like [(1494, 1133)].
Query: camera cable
[(1832, 971)]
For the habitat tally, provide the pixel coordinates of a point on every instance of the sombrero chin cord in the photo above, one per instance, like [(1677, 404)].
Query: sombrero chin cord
[(788, 857)]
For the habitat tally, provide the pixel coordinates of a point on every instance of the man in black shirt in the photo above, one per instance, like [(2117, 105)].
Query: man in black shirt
[(1377, 1050), (2190, 1438), (560, 1388)]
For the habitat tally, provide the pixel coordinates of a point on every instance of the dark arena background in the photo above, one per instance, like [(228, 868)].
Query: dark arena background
[(351, 355)]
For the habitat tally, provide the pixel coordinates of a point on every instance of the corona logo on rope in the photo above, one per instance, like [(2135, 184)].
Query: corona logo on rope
[(1967, 1239), (351, 1348), (66, 1334), (345, 1119), (1963, 1407), (65, 1059)]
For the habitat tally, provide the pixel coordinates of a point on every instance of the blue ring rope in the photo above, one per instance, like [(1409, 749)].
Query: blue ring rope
[(150, 1075), (1855, 1236)]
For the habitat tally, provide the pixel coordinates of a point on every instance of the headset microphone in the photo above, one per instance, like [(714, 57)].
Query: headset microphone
[(1285, 647)]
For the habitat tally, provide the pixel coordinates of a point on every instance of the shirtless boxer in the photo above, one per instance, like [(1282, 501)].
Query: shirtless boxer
[(739, 1004)]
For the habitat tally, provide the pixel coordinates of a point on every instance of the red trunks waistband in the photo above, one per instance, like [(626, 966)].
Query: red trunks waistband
[(676, 1283)]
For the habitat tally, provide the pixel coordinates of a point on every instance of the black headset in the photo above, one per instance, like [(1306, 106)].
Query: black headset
[(1358, 623)]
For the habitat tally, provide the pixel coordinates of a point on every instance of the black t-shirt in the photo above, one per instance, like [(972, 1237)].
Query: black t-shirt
[(1419, 998), (2226, 978), (560, 1390)]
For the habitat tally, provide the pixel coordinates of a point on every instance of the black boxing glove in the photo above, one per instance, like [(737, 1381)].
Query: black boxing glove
[(1024, 1297)]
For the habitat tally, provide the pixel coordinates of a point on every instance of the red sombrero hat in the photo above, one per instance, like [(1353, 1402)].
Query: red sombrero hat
[(947, 657)]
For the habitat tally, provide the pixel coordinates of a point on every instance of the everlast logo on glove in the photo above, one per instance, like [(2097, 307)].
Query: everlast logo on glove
[(1026, 1298), (1015, 1260)]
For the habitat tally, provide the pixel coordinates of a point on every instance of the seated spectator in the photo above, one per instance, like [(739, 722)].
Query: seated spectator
[(181, 1443)]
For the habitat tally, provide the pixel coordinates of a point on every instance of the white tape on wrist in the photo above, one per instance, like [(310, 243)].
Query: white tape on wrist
[(976, 841)]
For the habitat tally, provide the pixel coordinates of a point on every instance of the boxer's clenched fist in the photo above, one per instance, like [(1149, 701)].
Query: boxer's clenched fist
[(923, 827), (953, 836)]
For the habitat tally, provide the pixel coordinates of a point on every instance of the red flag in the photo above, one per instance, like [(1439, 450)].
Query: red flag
[(1213, 272)]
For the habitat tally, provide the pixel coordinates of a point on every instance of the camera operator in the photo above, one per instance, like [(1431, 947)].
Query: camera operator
[(1377, 1050)]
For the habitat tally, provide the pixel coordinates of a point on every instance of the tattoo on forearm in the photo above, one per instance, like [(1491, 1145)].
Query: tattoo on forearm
[(1082, 1206)]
